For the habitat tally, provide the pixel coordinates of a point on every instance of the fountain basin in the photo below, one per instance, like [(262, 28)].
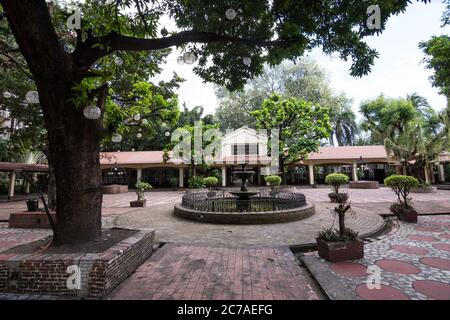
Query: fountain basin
[(224, 208)]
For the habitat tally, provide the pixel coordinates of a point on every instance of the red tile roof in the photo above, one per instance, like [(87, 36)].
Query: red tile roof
[(349, 152)]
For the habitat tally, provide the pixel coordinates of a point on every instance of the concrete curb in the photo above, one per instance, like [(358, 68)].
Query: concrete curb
[(328, 282)]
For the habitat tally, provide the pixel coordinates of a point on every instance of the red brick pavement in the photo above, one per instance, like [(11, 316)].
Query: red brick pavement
[(216, 273)]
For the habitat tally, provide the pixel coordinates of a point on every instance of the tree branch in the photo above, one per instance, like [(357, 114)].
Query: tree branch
[(97, 47)]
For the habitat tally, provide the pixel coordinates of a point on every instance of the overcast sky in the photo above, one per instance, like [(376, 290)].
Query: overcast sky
[(396, 72)]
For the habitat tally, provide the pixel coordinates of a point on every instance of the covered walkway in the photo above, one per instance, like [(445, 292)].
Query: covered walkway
[(14, 168)]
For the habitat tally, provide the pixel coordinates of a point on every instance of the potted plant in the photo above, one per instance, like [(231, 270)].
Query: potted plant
[(141, 187), (337, 180), (32, 205), (402, 186), (211, 182), (343, 244), (274, 182), (173, 183)]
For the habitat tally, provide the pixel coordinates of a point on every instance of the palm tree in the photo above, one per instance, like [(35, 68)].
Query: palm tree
[(343, 121), (418, 146)]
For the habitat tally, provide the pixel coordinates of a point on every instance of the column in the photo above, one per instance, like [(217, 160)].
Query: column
[(12, 182), (27, 187), (138, 174), (311, 174), (224, 176), (441, 172), (432, 178), (181, 177), (355, 171), (427, 176)]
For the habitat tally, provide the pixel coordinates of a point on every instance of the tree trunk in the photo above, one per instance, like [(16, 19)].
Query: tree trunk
[(73, 139), (51, 193), (74, 144)]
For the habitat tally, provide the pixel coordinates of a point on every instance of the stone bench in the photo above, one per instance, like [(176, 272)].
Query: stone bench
[(364, 185)]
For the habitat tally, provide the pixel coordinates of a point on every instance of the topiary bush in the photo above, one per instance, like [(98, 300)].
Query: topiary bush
[(211, 182), (196, 182), (274, 181), (402, 185), (336, 180), (141, 187)]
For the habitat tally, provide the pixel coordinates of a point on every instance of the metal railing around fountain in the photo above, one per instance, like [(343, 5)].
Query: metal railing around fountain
[(223, 201)]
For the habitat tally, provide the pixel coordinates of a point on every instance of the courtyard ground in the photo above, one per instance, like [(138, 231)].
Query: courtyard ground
[(206, 261)]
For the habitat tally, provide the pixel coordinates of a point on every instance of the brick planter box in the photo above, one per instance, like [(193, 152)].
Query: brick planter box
[(30, 220), (114, 189), (48, 274), (364, 185), (340, 251)]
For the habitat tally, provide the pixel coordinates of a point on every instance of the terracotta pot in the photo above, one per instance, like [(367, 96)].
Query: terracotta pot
[(340, 251), (138, 203)]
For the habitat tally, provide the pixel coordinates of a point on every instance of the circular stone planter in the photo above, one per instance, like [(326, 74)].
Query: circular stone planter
[(424, 190), (246, 217), (364, 185)]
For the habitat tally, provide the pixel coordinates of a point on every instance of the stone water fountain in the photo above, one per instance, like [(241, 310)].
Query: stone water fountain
[(243, 202)]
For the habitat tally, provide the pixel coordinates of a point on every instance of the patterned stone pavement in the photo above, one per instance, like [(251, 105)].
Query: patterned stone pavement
[(382, 194), (414, 263), (170, 228), (10, 238), (223, 273)]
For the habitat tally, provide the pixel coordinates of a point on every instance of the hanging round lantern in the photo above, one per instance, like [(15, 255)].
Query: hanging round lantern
[(118, 61), (230, 14), (32, 97), (247, 61), (92, 112), (7, 95), (180, 60), (164, 32), (139, 135), (167, 133), (116, 138), (189, 57)]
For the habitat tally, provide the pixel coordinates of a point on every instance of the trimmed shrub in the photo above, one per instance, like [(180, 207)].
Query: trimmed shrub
[(196, 182), (336, 180), (402, 185), (211, 181), (273, 180), (141, 187)]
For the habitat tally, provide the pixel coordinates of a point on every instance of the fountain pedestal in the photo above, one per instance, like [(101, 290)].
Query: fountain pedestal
[(243, 201)]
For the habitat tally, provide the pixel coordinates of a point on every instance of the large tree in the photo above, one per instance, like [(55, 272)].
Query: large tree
[(304, 80), (255, 31), (301, 126)]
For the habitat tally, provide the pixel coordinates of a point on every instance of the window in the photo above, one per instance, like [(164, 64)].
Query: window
[(244, 149)]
